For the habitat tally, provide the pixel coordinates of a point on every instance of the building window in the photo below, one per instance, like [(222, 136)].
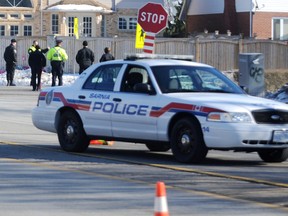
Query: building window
[(15, 16), (71, 26), (122, 23), (55, 24), (14, 30), (2, 30), (280, 28), (27, 30), (103, 29), (27, 16), (2, 16), (132, 23), (87, 26), (127, 23), (18, 3)]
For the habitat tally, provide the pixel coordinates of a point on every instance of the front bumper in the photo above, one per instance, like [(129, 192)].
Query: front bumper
[(242, 136)]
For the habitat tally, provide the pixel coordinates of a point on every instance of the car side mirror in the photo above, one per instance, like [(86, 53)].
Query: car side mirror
[(143, 88)]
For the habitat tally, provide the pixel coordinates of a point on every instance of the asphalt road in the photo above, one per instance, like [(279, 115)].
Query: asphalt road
[(38, 178)]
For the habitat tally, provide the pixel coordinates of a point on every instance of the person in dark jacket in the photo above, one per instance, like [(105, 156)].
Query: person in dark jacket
[(10, 57), (32, 49), (85, 57), (36, 61), (107, 56)]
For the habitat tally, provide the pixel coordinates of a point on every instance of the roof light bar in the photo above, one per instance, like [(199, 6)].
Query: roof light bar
[(158, 56)]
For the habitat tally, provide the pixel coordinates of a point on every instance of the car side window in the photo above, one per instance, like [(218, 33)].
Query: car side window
[(103, 78), (134, 75)]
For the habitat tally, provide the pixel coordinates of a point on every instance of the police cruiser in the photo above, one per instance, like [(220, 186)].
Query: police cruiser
[(164, 103)]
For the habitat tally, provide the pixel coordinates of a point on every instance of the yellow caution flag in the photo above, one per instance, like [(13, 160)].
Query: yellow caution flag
[(140, 37), (76, 32)]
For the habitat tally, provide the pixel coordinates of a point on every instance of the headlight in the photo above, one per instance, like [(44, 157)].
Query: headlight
[(229, 117)]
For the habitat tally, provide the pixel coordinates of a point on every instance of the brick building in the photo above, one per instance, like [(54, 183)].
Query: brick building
[(263, 19), (96, 18)]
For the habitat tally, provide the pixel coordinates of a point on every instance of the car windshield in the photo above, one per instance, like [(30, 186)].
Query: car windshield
[(193, 79)]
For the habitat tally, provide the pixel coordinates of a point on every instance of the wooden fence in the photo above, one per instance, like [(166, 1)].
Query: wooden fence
[(220, 53)]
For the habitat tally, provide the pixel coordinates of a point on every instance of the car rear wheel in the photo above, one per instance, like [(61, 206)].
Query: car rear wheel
[(71, 134), (158, 147), (273, 155), (187, 142)]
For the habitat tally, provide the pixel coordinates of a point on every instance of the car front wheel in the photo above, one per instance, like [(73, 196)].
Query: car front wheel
[(273, 155), (71, 134), (187, 142)]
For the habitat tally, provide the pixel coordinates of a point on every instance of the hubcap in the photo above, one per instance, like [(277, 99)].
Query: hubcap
[(70, 131), (185, 140)]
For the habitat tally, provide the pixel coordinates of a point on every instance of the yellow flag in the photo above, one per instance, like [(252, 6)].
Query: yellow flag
[(76, 32), (140, 37)]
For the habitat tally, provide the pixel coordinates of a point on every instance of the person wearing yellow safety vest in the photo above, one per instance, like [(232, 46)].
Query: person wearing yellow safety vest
[(57, 56), (32, 48)]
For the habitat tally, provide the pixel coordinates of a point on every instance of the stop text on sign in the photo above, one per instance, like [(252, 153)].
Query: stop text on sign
[(152, 17)]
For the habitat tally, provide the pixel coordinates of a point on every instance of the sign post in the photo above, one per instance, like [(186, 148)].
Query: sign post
[(152, 17)]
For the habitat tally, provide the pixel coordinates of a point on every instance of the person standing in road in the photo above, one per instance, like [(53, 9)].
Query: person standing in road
[(84, 57), (107, 56), (57, 56), (10, 57), (36, 61)]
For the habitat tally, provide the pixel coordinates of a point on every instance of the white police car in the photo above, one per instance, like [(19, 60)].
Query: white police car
[(163, 103)]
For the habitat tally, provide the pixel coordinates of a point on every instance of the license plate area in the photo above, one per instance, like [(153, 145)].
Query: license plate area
[(280, 136)]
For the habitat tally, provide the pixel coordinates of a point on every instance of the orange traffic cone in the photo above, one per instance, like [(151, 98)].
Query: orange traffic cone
[(96, 142), (101, 142), (160, 204)]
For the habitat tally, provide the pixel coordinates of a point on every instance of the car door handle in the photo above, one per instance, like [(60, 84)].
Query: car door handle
[(81, 97), (117, 99)]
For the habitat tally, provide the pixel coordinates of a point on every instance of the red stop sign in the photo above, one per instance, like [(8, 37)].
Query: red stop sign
[(152, 17)]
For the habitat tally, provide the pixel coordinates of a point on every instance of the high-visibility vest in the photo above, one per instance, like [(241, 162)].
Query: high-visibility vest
[(57, 54), (31, 49)]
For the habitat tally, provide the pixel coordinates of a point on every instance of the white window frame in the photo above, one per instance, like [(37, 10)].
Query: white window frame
[(86, 26), (56, 25), (28, 16), (281, 33), (28, 31), (71, 26), (90, 26), (14, 31), (2, 32), (3, 16), (14, 16), (130, 21)]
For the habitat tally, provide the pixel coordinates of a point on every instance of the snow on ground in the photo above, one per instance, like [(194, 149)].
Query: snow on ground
[(22, 77)]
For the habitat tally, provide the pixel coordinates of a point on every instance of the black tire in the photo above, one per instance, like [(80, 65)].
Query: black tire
[(273, 155), (158, 147), (71, 135), (187, 142)]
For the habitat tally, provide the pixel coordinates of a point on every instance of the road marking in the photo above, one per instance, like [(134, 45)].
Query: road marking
[(182, 169), (185, 190), (203, 193)]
